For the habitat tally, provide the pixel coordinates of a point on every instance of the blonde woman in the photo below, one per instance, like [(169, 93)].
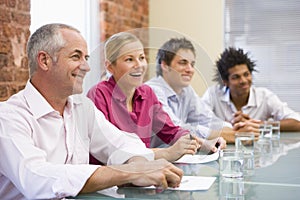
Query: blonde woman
[(132, 106)]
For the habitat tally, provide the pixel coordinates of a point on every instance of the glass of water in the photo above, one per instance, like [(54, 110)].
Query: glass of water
[(244, 141), (275, 128), (231, 163), (275, 135), (231, 188), (265, 130)]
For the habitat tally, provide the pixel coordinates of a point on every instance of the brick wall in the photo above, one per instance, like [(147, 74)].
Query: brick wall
[(115, 16), (124, 15), (14, 33)]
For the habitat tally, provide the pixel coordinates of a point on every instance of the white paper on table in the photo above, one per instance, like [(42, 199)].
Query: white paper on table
[(198, 159), (191, 183), (112, 192)]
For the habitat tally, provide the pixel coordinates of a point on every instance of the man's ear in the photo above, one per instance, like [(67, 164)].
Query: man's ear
[(225, 83), (43, 60), (164, 66)]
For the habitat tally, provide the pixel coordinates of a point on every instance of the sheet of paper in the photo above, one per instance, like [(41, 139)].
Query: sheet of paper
[(196, 159), (191, 183), (195, 183), (112, 192)]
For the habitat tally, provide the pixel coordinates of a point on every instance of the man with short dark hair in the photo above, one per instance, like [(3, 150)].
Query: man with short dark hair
[(175, 62)]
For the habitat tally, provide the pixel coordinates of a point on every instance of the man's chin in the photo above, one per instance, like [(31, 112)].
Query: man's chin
[(186, 83), (77, 90)]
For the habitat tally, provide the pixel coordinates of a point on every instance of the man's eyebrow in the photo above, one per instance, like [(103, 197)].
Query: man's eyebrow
[(78, 51), (81, 53), (234, 75), (184, 59)]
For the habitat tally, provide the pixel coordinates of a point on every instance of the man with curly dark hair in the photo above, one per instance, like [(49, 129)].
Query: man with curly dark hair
[(235, 99)]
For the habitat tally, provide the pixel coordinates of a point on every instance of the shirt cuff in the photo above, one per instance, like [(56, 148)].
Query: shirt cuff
[(77, 175)]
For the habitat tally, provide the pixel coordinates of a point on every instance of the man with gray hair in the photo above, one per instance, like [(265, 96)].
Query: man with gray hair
[(48, 130)]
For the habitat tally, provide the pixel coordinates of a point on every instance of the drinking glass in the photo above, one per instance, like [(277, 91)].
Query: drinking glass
[(244, 141), (231, 163)]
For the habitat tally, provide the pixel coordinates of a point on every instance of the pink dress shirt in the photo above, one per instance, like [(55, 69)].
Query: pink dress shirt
[(45, 155), (147, 119)]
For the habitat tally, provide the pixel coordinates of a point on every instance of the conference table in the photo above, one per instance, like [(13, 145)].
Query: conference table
[(276, 176)]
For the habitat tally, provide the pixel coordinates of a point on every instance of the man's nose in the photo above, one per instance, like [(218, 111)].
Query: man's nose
[(85, 66)]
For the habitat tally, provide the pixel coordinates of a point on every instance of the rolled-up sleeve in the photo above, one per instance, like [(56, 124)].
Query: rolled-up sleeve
[(113, 146)]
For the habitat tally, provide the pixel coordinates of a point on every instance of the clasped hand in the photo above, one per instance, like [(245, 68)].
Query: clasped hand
[(241, 122)]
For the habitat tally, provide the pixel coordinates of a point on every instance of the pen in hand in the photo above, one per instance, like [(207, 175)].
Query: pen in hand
[(198, 142), (191, 137)]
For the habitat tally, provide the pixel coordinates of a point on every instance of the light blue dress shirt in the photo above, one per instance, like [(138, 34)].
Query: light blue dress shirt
[(186, 109)]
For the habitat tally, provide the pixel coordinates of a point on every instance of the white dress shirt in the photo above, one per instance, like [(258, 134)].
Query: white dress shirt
[(262, 104), (186, 109), (46, 155)]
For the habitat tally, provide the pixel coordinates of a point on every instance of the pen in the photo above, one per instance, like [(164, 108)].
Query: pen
[(191, 137), (184, 181)]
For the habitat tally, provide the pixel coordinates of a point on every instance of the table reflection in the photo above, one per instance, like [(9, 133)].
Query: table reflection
[(276, 177)]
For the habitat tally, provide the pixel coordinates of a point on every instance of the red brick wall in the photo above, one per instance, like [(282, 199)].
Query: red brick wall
[(14, 33), (124, 15), (115, 16)]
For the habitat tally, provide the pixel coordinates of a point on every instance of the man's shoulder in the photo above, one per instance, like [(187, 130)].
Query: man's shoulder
[(15, 108), (154, 82), (16, 100), (5, 107), (262, 91), (216, 89)]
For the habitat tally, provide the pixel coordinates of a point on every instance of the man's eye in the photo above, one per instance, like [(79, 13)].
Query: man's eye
[(247, 74), (76, 56), (182, 63)]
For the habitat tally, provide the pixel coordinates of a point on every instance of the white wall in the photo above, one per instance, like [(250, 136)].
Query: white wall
[(201, 21), (83, 15)]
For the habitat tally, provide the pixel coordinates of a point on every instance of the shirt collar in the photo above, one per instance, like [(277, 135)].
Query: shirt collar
[(119, 95), (167, 88), (34, 98), (252, 101), (225, 94), (225, 97)]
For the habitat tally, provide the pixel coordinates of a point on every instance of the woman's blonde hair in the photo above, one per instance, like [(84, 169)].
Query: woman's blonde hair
[(115, 43)]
